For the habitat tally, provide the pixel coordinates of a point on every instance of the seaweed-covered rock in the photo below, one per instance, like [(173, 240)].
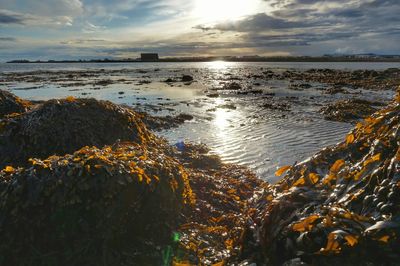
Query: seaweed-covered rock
[(158, 123), (187, 78), (342, 205), (112, 206), (388, 79), (10, 104), (64, 126), (232, 86), (349, 110)]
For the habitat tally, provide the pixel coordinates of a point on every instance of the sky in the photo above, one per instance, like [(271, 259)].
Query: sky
[(87, 29)]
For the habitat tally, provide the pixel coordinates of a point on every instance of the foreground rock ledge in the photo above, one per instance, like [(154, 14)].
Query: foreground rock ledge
[(120, 204)]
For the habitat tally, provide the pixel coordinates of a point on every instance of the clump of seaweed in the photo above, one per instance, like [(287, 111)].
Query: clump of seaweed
[(11, 104), (342, 205), (158, 123), (59, 127), (349, 110), (112, 206), (366, 79), (214, 229)]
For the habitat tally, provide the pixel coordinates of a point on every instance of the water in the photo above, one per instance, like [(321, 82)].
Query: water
[(245, 133), (12, 67)]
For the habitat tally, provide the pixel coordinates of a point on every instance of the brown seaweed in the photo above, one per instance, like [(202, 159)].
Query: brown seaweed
[(342, 205)]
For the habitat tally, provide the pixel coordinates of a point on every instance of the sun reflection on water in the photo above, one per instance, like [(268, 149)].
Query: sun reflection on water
[(222, 119), (219, 65), (223, 130)]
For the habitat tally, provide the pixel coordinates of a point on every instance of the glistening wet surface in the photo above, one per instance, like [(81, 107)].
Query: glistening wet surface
[(263, 123)]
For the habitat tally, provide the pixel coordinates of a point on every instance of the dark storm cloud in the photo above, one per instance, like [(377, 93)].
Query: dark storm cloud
[(7, 17)]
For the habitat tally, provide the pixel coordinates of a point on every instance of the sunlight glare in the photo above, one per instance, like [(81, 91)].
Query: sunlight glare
[(222, 117), (219, 65)]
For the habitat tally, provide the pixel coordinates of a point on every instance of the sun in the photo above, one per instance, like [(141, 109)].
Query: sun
[(209, 11)]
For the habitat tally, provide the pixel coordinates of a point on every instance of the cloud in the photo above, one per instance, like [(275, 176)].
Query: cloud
[(8, 39), (83, 41), (304, 22), (9, 17), (203, 28), (257, 22), (44, 8), (39, 13), (121, 28)]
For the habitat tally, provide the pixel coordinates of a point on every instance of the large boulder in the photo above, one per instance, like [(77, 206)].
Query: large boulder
[(113, 206), (59, 127)]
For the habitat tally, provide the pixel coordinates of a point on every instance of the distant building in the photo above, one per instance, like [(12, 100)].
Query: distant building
[(149, 57)]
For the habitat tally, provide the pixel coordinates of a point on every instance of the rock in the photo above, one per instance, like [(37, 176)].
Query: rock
[(184, 117), (299, 87), (227, 106), (250, 91), (336, 90), (348, 110), (9, 104), (186, 78), (256, 91), (111, 206), (64, 126), (157, 123), (232, 86), (169, 80), (105, 82), (212, 95), (275, 105), (366, 79)]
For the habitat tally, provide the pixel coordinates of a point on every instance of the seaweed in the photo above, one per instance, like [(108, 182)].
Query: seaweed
[(342, 205), (59, 127), (350, 110), (115, 206), (136, 200), (11, 104)]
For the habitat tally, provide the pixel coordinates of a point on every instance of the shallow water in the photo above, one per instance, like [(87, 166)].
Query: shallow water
[(237, 127), (13, 67)]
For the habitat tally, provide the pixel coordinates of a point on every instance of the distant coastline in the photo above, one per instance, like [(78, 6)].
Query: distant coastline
[(345, 58)]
